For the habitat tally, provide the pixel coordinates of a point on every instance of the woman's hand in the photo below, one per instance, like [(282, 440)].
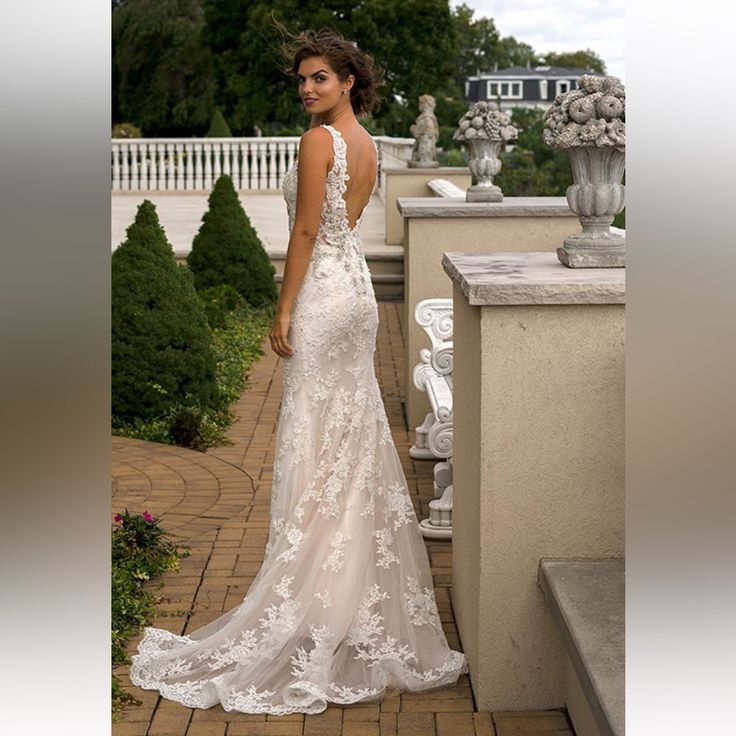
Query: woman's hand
[(279, 335)]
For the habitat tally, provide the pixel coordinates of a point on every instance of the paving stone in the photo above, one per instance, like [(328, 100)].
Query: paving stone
[(454, 724), (139, 728), (483, 722), (360, 728), (391, 704), (416, 724), (206, 729), (327, 723), (436, 705), (266, 728), (388, 724), (290, 717), (361, 712), (531, 722), (168, 724)]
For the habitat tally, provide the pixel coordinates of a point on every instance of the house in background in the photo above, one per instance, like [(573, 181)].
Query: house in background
[(523, 86)]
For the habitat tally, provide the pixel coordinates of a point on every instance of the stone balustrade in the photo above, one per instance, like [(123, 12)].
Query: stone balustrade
[(433, 375), (194, 164)]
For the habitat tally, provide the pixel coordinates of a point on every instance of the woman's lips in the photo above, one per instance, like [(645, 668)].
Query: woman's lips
[(309, 102)]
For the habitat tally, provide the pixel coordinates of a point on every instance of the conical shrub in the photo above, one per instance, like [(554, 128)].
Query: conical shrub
[(219, 127), (227, 250), (161, 356)]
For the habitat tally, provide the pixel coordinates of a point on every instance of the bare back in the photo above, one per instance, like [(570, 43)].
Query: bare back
[(362, 165)]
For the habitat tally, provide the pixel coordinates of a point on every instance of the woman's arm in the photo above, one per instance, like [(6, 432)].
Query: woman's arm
[(315, 156)]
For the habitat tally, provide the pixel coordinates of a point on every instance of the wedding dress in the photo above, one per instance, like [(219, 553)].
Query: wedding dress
[(343, 607)]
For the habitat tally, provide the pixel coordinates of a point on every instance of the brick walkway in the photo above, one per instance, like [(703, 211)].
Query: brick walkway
[(218, 503)]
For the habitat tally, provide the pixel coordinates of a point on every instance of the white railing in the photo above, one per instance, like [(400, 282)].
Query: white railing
[(180, 164), (194, 164)]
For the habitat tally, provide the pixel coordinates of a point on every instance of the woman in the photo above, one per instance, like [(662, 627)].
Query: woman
[(343, 608)]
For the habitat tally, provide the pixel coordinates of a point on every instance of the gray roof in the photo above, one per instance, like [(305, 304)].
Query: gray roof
[(538, 71)]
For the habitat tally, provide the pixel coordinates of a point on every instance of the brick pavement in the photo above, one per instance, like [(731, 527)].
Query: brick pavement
[(218, 503)]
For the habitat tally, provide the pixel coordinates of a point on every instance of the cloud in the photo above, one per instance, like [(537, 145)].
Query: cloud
[(570, 25)]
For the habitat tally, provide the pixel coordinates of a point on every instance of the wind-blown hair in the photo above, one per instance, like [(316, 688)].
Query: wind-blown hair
[(343, 56)]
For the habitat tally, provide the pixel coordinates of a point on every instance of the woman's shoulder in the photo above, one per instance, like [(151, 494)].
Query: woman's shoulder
[(316, 141), (316, 136), (315, 147)]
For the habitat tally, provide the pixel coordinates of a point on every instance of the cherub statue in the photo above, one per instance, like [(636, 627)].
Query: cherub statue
[(426, 131)]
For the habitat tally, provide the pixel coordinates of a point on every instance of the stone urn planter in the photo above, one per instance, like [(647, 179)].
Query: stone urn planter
[(588, 123), (485, 129)]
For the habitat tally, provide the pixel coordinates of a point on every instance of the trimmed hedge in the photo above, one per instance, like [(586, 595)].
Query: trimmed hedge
[(227, 250), (161, 341)]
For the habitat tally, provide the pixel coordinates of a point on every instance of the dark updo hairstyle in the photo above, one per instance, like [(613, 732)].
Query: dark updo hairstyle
[(343, 56)]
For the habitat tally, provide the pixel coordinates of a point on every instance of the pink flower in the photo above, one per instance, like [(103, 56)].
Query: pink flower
[(117, 518), (148, 517)]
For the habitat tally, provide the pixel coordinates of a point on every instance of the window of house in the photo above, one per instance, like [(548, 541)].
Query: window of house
[(505, 90), (563, 85)]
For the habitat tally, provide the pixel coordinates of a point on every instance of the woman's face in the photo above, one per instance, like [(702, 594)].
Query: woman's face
[(319, 87)]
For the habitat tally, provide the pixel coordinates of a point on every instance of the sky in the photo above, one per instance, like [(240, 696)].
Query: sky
[(565, 25)]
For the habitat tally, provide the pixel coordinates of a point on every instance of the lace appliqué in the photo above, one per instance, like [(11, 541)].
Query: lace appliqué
[(338, 611)]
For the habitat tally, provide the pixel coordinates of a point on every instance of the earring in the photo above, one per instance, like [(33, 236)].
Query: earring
[(344, 91)]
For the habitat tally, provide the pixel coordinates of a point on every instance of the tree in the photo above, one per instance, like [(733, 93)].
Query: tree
[(587, 59), (161, 355), (162, 74), (478, 46), (254, 91), (517, 53), (533, 168), (481, 47)]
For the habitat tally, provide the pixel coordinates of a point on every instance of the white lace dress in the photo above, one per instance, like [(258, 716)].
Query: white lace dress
[(343, 608)]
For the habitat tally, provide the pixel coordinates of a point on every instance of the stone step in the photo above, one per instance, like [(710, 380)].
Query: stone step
[(387, 272), (586, 598)]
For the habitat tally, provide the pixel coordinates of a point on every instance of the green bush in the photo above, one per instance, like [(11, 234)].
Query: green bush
[(227, 250), (161, 353), (218, 302), (219, 127), (236, 345), (126, 130), (453, 157), (139, 553)]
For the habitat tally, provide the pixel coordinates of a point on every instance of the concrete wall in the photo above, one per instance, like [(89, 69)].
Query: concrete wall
[(466, 454), (427, 238), (577, 706), (538, 471), (413, 183)]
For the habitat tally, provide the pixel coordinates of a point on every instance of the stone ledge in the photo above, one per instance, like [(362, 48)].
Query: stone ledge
[(458, 207), (586, 598), (426, 170), (496, 279)]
